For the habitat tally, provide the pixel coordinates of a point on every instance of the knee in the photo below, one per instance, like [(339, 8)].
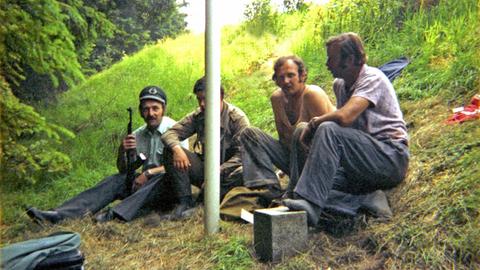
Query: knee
[(167, 155), (328, 126), (249, 134), (298, 130), (327, 129)]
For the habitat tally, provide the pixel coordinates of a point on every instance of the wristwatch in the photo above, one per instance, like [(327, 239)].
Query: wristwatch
[(148, 173)]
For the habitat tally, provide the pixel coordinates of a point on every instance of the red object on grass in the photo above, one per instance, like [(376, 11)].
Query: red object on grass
[(469, 112)]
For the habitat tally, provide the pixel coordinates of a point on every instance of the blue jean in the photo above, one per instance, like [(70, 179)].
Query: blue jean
[(351, 161)]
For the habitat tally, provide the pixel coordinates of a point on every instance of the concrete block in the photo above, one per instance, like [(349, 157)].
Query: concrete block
[(278, 233)]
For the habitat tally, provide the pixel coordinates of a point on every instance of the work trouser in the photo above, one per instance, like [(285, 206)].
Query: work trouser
[(230, 174), (112, 188), (261, 152), (350, 161)]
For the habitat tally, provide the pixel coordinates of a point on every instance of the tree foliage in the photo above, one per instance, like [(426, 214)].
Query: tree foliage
[(45, 43), (49, 45), (294, 5), (27, 141), (262, 17), (42, 44), (137, 23)]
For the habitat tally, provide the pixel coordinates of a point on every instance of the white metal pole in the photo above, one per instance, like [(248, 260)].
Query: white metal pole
[(212, 118)]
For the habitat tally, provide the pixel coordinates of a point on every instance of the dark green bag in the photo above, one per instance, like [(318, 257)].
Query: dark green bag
[(57, 251)]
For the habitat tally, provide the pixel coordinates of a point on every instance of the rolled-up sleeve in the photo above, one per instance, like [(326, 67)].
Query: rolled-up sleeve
[(182, 130)]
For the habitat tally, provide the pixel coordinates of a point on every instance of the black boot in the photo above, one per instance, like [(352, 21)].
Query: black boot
[(43, 217), (105, 216), (313, 211), (184, 209)]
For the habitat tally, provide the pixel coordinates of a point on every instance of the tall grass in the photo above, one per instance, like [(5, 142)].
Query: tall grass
[(437, 209), (441, 41)]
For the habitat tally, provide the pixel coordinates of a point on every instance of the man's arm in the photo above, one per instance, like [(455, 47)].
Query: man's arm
[(344, 116), (182, 130), (172, 137), (283, 126), (128, 142), (144, 176)]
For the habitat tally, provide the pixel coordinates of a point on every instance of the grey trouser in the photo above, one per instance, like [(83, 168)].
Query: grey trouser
[(261, 152), (110, 189), (230, 175), (351, 161)]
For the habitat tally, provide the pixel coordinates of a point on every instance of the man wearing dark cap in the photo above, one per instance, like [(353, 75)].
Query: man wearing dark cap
[(148, 187)]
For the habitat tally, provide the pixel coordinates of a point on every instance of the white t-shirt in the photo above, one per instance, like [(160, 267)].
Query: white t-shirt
[(383, 119)]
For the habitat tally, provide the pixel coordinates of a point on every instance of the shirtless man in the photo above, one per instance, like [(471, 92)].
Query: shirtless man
[(292, 103)]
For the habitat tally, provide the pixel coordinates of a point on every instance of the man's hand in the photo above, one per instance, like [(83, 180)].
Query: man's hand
[(129, 142), (180, 159), (307, 134), (139, 182)]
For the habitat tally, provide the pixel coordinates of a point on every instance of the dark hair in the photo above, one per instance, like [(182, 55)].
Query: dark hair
[(201, 85), (350, 44), (302, 69)]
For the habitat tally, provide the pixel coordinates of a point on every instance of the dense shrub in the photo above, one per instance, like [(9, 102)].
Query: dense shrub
[(50, 45), (137, 23), (27, 147), (44, 44)]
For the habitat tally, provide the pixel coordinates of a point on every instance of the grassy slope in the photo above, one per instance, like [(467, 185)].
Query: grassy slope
[(436, 209)]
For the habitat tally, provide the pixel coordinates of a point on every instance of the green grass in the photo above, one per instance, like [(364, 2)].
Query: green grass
[(436, 217), (438, 214), (233, 253)]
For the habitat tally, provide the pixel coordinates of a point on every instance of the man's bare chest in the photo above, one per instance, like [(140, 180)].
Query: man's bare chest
[(293, 110)]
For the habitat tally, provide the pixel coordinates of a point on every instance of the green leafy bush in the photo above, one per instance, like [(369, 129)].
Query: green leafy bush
[(137, 23), (50, 45), (261, 18), (264, 18), (44, 43), (27, 143)]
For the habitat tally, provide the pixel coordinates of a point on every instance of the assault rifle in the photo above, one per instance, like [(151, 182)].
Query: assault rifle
[(131, 155)]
